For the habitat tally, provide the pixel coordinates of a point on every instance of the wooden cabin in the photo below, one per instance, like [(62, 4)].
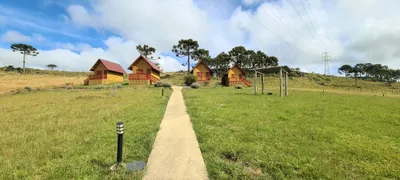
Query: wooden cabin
[(144, 72), (235, 76), (105, 72), (202, 72)]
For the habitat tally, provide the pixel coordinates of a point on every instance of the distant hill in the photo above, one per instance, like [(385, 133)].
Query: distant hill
[(31, 71), (11, 79)]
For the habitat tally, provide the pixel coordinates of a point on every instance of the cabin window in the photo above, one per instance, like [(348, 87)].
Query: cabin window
[(98, 72), (105, 72), (139, 71), (207, 74), (198, 74), (233, 76)]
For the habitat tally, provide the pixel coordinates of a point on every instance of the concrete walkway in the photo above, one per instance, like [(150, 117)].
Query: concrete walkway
[(176, 153)]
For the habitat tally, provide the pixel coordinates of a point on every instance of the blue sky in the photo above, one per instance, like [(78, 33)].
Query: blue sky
[(46, 17), (74, 33)]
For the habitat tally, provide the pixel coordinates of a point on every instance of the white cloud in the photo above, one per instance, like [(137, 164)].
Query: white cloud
[(80, 15), (157, 23), (250, 2), (169, 64), (38, 38), (118, 50), (14, 37), (352, 31), (74, 47), (337, 20)]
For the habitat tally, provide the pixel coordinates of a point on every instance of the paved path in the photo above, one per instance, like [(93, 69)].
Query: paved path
[(176, 153)]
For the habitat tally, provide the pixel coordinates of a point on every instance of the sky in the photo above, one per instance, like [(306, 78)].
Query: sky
[(73, 34)]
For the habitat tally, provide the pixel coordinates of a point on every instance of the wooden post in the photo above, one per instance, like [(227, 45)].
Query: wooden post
[(262, 84), (255, 82), (286, 84), (280, 83)]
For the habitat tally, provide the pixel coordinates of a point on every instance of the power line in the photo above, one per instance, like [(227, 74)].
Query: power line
[(301, 18), (268, 28), (292, 33), (312, 22), (315, 19), (326, 57)]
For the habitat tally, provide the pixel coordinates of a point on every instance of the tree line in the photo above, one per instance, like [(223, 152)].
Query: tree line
[(369, 71), (245, 58), (239, 55)]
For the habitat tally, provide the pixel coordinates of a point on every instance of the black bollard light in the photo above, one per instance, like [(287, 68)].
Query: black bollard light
[(120, 132), (162, 92)]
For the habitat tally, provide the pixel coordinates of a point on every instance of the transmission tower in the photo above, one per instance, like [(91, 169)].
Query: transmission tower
[(326, 57)]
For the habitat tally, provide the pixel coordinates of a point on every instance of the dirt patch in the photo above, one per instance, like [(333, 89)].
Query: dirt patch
[(231, 156), (89, 97)]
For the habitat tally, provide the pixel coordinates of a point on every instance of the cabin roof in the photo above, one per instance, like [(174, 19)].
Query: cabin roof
[(110, 66), (273, 69), (201, 62), (239, 68), (153, 66)]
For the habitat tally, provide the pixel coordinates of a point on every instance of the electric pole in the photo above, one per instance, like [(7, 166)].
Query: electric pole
[(326, 57)]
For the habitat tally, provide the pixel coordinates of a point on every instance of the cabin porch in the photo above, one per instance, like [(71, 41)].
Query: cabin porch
[(203, 77), (98, 79), (142, 79)]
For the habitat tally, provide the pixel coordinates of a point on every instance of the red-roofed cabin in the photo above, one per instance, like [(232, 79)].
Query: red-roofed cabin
[(105, 72), (202, 72), (144, 72), (235, 77)]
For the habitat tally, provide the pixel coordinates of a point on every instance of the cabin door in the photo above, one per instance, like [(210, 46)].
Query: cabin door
[(148, 73), (207, 75), (240, 76)]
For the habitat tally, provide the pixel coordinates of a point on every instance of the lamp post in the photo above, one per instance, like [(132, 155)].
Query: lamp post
[(134, 166), (120, 132)]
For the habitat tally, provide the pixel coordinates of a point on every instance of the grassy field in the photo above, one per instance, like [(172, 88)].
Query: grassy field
[(310, 82), (13, 81), (72, 134), (307, 135)]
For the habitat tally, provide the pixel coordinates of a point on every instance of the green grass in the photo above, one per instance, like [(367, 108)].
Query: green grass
[(309, 81), (72, 134), (307, 135)]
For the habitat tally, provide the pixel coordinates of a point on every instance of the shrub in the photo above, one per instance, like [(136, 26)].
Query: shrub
[(195, 86), (167, 76), (28, 88), (69, 87), (100, 86), (118, 86), (238, 87), (125, 84), (158, 84), (168, 84), (218, 84), (189, 79), (10, 68), (20, 70)]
